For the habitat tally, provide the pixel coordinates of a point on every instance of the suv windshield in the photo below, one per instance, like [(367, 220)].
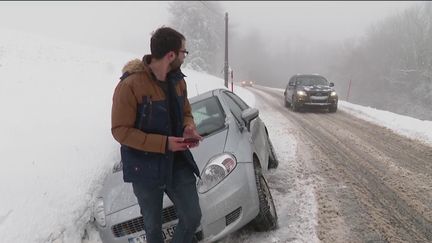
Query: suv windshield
[(311, 80)]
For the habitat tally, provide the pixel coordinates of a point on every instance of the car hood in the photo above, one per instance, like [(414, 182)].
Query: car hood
[(317, 88), (209, 147), (119, 195)]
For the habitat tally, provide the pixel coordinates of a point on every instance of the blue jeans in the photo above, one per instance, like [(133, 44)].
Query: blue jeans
[(183, 194)]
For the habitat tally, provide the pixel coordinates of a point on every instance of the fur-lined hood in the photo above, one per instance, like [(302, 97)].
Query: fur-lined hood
[(136, 65), (133, 66)]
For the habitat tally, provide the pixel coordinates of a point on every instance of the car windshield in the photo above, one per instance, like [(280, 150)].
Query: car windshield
[(208, 116), (311, 80)]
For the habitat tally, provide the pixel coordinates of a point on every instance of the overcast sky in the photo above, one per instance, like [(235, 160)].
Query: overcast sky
[(127, 25), (320, 20)]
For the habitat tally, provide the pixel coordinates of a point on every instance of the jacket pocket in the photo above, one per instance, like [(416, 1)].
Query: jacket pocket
[(140, 166)]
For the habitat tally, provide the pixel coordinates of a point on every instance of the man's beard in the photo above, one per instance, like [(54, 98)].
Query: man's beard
[(176, 64)]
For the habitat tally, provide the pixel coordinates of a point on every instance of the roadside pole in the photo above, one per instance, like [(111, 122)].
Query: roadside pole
[(232, 81), (226, 51), (349, 90)]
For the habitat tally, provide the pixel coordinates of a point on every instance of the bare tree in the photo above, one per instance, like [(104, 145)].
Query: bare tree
[(202, 23), (391, 66)]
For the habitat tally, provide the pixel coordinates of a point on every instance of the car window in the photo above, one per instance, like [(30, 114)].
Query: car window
[(291, 82), (311, 80), (208, 116), (234, 107)]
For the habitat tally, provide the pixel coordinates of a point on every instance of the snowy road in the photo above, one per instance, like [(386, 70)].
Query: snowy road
[(349, 181)]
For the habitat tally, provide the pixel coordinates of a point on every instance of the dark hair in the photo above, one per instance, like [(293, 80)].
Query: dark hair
[(164, 40)]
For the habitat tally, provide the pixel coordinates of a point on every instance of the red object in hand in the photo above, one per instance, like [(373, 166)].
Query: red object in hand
[(191, 140)]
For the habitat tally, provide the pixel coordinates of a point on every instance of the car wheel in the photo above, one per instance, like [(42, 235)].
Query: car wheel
[(267, 216), (287, 104), (294, 105), (333, 108), (273, 161)]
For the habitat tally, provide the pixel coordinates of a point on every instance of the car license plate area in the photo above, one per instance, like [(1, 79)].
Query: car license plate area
[(167, 233)]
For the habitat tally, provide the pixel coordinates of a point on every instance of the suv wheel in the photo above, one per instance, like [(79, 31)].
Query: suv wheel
[(287, 104), (267, 216), (333, 108), (294, 105)]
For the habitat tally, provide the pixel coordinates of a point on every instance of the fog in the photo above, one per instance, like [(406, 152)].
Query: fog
[(373, 44), (113, 25), (310, 20), (287, 30), (128, 25)]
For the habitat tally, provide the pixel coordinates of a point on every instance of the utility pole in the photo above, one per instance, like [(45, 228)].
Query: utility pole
[(232, 80), (226, 50), (349, 90)]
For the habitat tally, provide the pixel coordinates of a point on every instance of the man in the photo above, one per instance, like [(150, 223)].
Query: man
[(151, 118)]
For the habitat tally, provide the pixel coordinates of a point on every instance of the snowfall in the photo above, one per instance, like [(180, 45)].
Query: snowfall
[(56, 144)]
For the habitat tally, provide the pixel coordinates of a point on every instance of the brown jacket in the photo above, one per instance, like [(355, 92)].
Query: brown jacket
[(129, 94)]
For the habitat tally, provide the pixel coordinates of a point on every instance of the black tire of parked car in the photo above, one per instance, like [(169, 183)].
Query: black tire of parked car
[(267, 217), (273, 161)]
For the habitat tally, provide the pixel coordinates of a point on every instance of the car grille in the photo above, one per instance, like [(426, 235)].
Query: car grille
[(233, 216), (319, 93), (137, 224), (318, 96)]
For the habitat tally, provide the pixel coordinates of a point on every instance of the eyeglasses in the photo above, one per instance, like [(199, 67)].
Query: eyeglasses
[(185, 52)]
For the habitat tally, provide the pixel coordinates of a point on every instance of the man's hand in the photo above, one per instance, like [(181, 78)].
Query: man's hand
[(177, 144), (191, 132)]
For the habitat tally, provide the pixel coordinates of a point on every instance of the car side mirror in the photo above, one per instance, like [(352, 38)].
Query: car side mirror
[(248, 115), (331, 84)]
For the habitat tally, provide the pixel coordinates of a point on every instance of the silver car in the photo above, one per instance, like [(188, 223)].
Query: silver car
[(233, 158)]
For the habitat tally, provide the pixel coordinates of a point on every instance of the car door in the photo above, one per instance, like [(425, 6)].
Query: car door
[(257, 127)]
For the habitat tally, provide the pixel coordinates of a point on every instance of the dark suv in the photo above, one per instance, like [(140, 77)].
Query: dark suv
[(310, 90)]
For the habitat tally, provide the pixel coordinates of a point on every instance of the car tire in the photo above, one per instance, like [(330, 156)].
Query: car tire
[(294, 105), (273, 162), (267, 217), (333, 108), (287, 104)]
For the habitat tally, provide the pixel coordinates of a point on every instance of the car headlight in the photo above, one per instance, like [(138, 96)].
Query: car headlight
[(99, 212), (217, 169), (301, 93), (333, 93)]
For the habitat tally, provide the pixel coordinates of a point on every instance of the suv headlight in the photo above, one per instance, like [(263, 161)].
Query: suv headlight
[(99, 212), (217, 169), (333, 93), (301, 93)]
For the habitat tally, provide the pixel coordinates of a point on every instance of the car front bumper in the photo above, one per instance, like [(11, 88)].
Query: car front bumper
[(225, 208), (317, 102), (231, 204)]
